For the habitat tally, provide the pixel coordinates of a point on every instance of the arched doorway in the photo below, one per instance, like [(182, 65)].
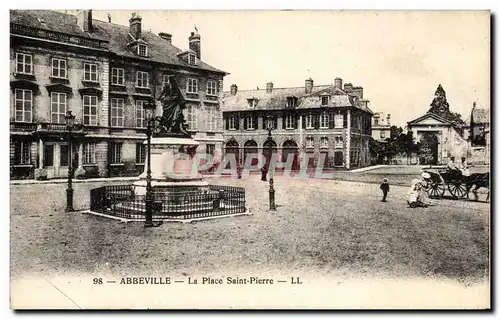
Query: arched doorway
[(250, 148), (291, 149), (265, 151), (428, 149), (233, 148)]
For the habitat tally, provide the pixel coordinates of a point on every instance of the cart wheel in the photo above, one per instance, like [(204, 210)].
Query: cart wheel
[(436, 190), (413, 205), (457, 190)]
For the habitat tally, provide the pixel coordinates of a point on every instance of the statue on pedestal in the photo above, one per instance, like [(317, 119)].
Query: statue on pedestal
[(172, 122)]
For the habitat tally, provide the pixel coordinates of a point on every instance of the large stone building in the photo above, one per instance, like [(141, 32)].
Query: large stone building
[(328, 119), (104, 73), (381, 126)]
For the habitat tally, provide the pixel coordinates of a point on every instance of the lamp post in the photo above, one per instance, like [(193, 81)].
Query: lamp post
[(270, 127), (70, 123), (149, 110)]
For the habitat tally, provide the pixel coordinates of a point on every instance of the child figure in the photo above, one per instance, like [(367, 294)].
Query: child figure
[(385, 189)]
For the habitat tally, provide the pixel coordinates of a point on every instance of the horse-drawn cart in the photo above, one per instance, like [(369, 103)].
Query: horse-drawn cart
[(457, 184)]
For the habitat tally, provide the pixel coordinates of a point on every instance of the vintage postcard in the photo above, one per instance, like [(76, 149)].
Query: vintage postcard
[(249, 159)]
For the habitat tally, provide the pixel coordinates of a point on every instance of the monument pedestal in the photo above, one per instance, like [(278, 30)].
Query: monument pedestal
[(172, 167)]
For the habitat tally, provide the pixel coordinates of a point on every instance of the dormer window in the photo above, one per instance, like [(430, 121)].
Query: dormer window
[(192, 59), (142, 50), (291, 101), (252, 103), (325, 100)]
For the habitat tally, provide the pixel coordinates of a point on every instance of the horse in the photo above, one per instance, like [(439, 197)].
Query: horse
[(476, 181)]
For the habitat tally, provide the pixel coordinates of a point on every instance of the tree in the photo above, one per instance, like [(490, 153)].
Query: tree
[(396, 131), (440, 107)]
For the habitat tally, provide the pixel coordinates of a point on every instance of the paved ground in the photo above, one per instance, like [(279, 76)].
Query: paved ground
[(320, 227)]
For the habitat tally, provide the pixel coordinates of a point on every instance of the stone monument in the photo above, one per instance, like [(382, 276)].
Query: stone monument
[(172, 148)]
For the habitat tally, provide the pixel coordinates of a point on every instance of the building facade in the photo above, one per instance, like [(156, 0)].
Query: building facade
[(333, 120), (104, 73), (381, 126), (477, 132)]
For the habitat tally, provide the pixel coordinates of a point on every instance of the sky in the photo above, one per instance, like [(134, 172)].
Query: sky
[(399, 58)]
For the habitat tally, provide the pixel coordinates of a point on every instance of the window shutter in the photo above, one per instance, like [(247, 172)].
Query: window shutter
[(245, 124), (227, 121), (344, 114), (237, 121), (331, 122), (296, 121), (283, 121), (256, 121), (304, 121)]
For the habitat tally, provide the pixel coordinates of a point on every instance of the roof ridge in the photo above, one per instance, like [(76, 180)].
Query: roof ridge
[(281, 88)]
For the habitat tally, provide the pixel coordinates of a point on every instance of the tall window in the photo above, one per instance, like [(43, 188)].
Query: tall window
[(58, 107), (24, 63), (48, 155), (140, 153), (212, 119), (289, 121), (250, 121), (324, 120), (142, 50), (117, 76), (325, 100), (117, 112), (339, 142), (90, 72), (59, 68), (115, 150), (64, 154), (90, 110), (211, 87), (139, 113), (24, 105), (191, 118), (323, 142), (142, 79), (375, 121), (232, 122), (339, 120), (22, 153), (192, 59), (89, 153), (192, 85), (210, 149), (310, 142), (309, 121)]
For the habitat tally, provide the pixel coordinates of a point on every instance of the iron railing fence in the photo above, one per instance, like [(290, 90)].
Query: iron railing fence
[(121, 201)]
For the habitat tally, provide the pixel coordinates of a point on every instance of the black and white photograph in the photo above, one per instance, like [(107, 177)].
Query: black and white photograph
[(249, 159)]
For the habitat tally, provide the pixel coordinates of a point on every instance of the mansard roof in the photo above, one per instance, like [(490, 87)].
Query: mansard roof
[(278, 98), (159, 50)]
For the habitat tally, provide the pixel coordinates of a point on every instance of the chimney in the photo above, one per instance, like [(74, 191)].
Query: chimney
[(234, 89), (195, 44), (358, 91), (309, 85), (269, 87), (165, 36), (135, 26), (388, 119), (338, 83), (84, 20), (348, 87), (474, 105)]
